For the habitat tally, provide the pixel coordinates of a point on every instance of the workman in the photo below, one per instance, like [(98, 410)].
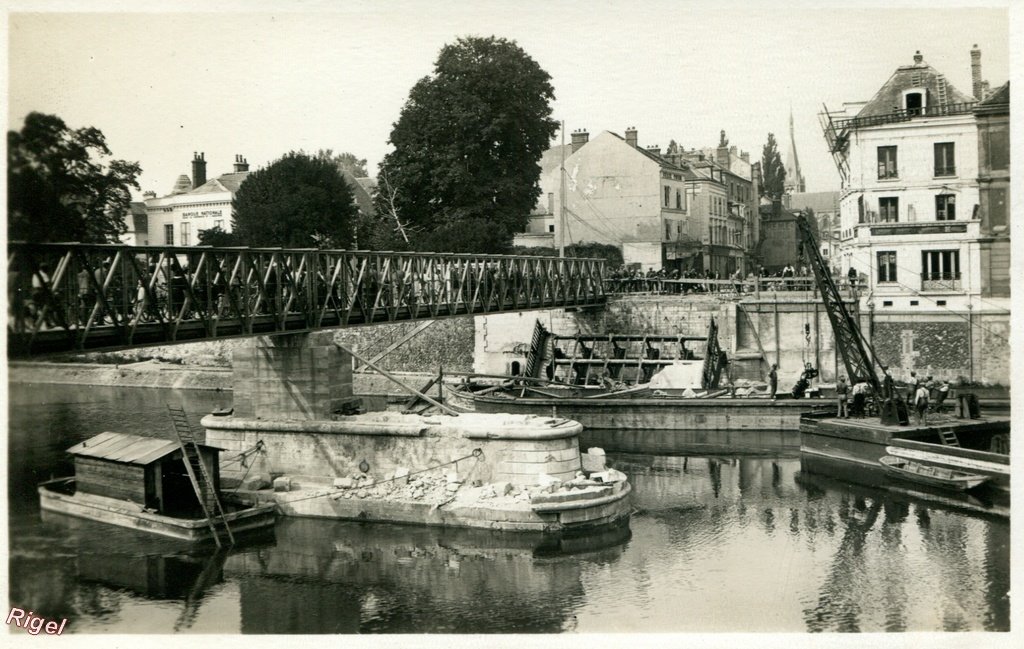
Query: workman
[(773, 381), (921, 404), (842, 389)]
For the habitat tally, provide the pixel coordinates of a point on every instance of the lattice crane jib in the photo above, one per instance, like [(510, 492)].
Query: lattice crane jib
[(856, 359)]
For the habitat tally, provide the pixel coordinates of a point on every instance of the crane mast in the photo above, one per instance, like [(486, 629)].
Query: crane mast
[(859, 364)]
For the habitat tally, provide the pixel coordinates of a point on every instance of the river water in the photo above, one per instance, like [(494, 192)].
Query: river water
[(718, 543)]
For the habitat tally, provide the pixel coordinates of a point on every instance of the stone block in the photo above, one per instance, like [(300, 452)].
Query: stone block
[(502, 488), (283, 483), (401, 475), (343, 483), (594, 460)]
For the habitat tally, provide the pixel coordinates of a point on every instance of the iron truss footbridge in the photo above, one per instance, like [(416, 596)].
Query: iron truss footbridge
[(65, 297)]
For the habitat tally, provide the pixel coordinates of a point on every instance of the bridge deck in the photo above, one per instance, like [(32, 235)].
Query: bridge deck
[(68, 297)]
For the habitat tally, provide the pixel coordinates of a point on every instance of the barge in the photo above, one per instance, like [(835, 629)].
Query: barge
[(143, 483)]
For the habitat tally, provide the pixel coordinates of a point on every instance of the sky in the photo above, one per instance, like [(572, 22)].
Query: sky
[(162, 84)]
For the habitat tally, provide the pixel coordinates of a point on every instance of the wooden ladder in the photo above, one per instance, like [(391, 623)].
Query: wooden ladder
[(949, 437), (206, 491)]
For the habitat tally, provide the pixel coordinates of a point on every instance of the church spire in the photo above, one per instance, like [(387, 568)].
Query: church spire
[(794, 179)]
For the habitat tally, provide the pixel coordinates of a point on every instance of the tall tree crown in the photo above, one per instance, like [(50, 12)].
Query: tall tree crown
[(464, 169), (773, 172), (58, 187), (299, 201)]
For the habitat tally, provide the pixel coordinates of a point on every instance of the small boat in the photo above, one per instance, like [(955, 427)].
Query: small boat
[(933, 476), (60, 496)]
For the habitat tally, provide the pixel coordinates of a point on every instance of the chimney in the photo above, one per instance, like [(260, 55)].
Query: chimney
[(579, 138), (976, 81), (148, 195), (745, 156), (655, 149), (918, 58), (631, 136), (198, 169), (241, 164)]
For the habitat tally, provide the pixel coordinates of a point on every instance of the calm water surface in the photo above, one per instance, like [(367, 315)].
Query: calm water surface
[(722, 543)]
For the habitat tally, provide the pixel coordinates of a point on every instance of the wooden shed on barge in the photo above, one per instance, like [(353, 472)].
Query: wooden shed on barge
[(149, 471)]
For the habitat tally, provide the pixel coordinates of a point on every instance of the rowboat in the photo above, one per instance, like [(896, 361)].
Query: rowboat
[(933, 476)]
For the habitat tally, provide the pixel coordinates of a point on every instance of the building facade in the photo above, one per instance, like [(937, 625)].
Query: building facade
[(194, 205), (613, 192), (912, 220), (825, 206)]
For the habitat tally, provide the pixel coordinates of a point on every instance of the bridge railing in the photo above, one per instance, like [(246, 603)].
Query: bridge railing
[(687, 286), (64, 297)]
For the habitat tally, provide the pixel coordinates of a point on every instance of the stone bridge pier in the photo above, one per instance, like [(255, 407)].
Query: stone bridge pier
[(292, 376)]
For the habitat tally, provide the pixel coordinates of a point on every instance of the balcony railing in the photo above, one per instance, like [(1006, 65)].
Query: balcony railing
[(904, 115), (940, 281)]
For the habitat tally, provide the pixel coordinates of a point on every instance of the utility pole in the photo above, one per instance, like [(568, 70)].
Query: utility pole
[(561, 200)]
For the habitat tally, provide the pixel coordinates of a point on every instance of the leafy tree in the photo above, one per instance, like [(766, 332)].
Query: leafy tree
[(58, 187), (611, 253), (773, 172), (464, 169), (218, 237), (346, 162), (299, 201)]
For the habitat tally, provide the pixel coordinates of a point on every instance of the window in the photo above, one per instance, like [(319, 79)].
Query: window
[(668, 230), (913, 102), (551, 228), (668, 191), (679, 200), (886, 302), (945, 162), (887, 267), (940, 302), (945, 207), (940, 264), (186, 234), (169, 234), (913, 303), (219, 223), (889, 209), (887, 163), (860, 209)]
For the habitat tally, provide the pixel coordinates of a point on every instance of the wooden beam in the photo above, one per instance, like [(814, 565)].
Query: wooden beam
[(400, 383)]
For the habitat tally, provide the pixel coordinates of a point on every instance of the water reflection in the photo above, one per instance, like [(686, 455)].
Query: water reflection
[(720, 542)]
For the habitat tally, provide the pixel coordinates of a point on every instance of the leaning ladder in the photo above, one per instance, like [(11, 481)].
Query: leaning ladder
[(197, 473)]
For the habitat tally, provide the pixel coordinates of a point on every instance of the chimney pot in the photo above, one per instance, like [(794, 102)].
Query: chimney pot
[(631, 136), (918, 58), (977, 85), (579, 138), (198, 169), (240, 163)]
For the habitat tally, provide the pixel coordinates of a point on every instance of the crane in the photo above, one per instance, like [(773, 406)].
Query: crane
[(858, 358)]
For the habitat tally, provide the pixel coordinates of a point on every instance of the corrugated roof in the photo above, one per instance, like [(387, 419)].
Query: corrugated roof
[(122, 447)]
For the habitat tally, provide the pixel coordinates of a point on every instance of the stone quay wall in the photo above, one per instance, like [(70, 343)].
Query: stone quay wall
[(787, 329)]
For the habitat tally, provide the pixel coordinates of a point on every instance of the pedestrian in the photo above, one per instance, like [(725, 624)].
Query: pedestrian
[(851, 275), (141, 299), (86, 296), (921, 404), (773, 381), (842, 389)]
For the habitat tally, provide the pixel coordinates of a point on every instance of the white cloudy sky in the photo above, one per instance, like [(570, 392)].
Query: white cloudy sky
[(161, 85)]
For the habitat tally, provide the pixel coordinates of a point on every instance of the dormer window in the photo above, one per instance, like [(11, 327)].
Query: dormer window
[(915, 101)]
